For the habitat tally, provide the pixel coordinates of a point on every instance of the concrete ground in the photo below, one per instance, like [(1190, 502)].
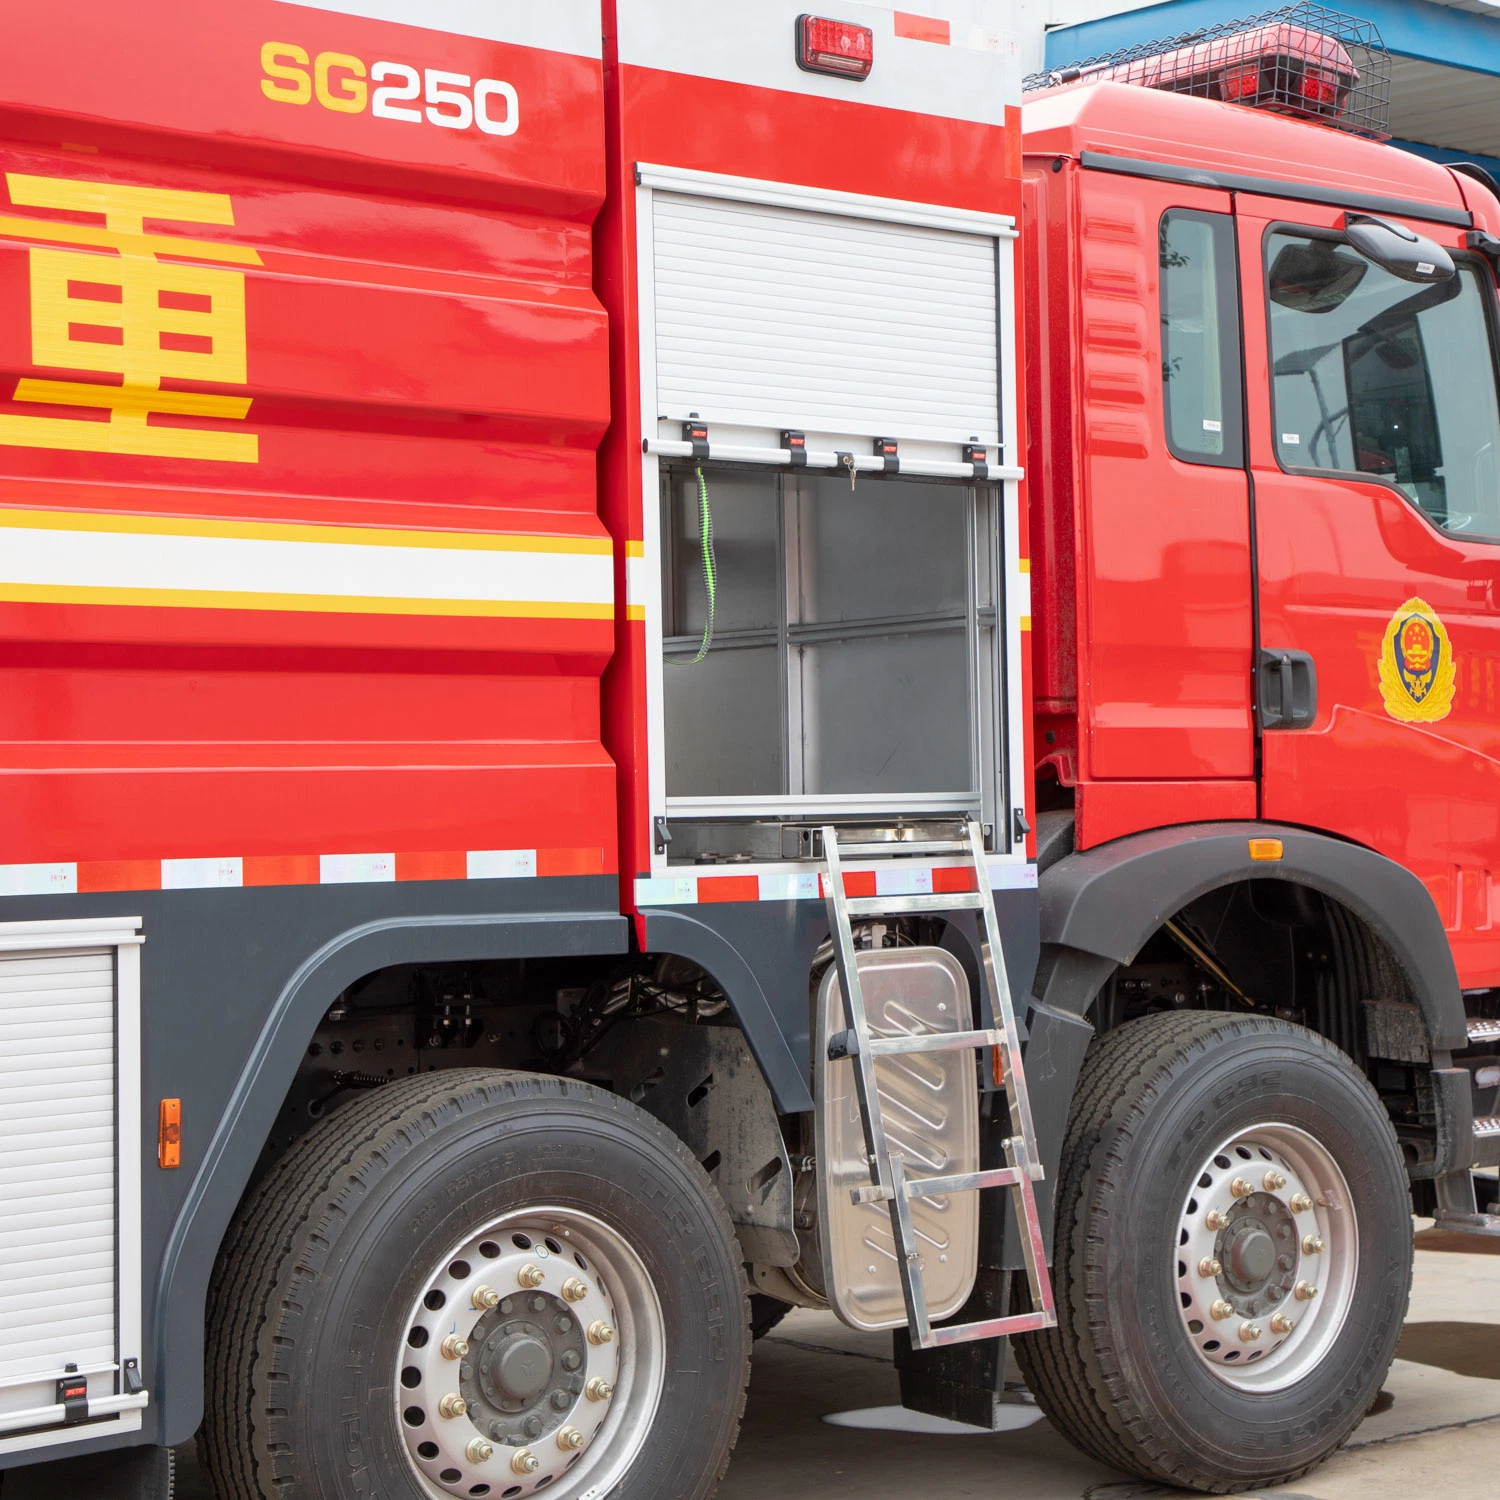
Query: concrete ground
[(1435, 1430)]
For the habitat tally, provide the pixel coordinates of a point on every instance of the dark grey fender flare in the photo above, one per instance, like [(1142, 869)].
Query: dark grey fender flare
[(193, 1245), (1106, 902), (1099, 908)]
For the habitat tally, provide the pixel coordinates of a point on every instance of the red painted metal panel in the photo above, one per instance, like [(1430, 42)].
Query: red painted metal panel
[(328, 334)]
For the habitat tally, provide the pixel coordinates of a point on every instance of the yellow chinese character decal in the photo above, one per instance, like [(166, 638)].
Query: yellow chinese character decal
[(118, 308)]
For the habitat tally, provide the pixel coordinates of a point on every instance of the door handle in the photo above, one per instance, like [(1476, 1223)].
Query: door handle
[(1287, 690)]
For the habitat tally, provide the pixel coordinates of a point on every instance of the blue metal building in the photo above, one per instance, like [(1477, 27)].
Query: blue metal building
[(1445, 83)]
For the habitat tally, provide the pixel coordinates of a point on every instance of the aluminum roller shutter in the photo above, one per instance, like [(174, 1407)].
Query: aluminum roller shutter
[(57, 1169), (782, 317)]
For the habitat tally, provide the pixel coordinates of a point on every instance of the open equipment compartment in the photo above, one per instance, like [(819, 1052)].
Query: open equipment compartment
[(828, 372)]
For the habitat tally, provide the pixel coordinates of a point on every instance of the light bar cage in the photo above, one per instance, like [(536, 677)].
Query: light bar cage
[(1303, 60)]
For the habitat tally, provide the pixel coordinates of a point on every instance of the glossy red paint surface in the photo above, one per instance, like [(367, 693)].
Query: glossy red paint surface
[(671, 118), (423, 355), (1338, 557)]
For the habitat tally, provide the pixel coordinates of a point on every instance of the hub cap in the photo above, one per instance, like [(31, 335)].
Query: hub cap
[(1267, 1248), (532, 1359)]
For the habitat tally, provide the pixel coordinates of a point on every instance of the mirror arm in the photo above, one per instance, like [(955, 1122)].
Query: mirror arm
[(1486, 245)]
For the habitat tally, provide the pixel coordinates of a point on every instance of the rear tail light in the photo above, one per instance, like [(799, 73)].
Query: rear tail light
[(836, 48)]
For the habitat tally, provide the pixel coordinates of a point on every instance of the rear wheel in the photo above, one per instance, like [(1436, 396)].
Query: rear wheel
[(478, 1285), (1234, 1253)]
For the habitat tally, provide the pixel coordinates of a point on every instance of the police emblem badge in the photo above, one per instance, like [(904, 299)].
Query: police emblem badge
[(1417, 668)]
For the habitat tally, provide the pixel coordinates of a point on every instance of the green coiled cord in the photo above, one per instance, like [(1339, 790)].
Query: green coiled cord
[(710, 577)]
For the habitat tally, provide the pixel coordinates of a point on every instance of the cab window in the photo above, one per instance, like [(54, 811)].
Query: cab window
[(1200, 338), (1376, 375)]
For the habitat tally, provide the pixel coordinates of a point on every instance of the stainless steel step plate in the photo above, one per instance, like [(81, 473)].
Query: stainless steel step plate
[(930, 1104)]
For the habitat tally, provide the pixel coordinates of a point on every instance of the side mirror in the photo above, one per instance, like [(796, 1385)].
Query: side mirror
[(1315, 276), (1401, 251)]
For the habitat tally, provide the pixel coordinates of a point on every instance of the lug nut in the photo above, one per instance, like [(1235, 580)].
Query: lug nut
[(574, 1290), (485, 1297), (598, 1390), (530, 1275), (480, 1451), (1249, 1332), (569, 1439), (1280, 1323), (1239, 1188), (455, 1346), (1312, 1244), (525, 1462), (1208, 1266), (1300, 1203), (453, 1406), (1221, 1310), (1305, 1291), (1214, 1219), (1274, 1182), (600, 1333)]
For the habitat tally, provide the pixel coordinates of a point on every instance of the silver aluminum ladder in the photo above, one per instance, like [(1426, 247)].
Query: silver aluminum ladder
[(888, 1180)]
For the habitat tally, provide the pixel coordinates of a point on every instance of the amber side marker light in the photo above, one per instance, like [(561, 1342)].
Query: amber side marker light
[(169, 1134), (1266, 849), (836, 48)]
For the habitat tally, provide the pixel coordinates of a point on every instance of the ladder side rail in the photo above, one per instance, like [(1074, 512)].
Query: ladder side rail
[(845, 955), (1021, 1149)]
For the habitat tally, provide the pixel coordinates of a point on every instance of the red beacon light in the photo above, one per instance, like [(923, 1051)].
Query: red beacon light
[(838, 49), (1286, 68)]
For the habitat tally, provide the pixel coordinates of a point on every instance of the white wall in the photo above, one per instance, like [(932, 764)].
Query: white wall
[(1035, 17)]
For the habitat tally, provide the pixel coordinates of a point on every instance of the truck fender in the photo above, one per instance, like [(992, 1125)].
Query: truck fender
[(1106, 902), (1099, 908), (193, 1245)]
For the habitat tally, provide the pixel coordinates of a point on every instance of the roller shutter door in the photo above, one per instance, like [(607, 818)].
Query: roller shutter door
[(782, 317)]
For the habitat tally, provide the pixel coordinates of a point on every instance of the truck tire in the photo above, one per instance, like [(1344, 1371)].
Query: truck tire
[(1217, 1330), (478, 1283), (125, 1474)]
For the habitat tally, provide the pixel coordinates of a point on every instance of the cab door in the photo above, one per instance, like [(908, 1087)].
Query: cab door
[(1374, 444)]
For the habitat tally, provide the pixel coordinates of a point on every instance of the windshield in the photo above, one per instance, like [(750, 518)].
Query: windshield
[(1379, 376)]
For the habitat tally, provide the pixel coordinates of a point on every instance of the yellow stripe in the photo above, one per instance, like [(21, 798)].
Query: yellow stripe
[(635, 549), (276, 531), (1025, 565), (635, 611), (336, 604), (1025, 622)]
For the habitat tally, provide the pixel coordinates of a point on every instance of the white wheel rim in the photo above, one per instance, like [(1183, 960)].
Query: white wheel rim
[(1259, 1252), (540, 1379)]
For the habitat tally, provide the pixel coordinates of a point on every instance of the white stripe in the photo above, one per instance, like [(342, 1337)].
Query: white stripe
[(501, 864), (789, 888), (1020, 585), (38, 880), (903, 880), (133, 560), (355, 869), (201, 874), (1012, 875), (636, 591), (753, 42), (666, 892), (553, 25)]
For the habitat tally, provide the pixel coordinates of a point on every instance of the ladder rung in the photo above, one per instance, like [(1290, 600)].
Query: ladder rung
[(938, 1187), (963, 1333), (893, 847), (895, 906), (933, 1041)]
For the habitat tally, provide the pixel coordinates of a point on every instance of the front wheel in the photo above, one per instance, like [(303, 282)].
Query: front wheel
[(479, 1284), (1234, 1253)]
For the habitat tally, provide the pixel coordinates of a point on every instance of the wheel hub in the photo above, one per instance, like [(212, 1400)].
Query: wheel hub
[(1259, 1253), (1265, 1259), (523, 1376), (533, 1359)]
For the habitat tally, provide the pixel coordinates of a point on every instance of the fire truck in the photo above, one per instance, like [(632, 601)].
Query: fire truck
[(665, 659)]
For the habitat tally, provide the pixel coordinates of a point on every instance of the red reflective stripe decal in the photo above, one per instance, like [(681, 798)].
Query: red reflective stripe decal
[(281, 869), (923, 29), (729, 888), (449, 866), (119, 875), (570, 862)]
